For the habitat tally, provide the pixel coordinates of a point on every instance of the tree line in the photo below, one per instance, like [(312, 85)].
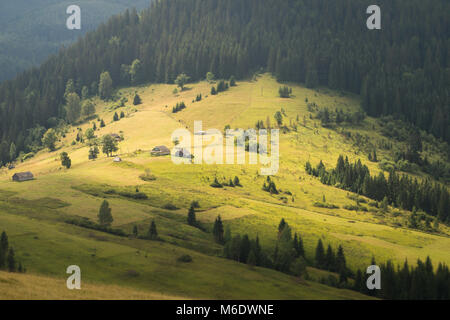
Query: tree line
[(8, 257), (400, 190)]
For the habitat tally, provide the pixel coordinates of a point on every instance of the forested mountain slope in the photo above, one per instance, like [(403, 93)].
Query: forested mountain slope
[(32, 30), (402, 69)]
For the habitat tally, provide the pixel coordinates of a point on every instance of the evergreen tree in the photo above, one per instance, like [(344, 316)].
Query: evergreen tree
[(135, 231), (320, 255), (137, 100), (11, 260), (84, 93), (330, 259), (115, 117), (104, 215), (191, 220), (152, 232), (341, 265), (279, 118), (12, 152), (105, 87), (4, 245), (281, 226), (73, 107), (218, 230)]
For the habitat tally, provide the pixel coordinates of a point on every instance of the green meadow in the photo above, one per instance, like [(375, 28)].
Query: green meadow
[(35, 213)]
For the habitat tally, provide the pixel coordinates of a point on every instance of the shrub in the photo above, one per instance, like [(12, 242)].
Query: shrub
[(185, 258), (94, 226), (325, 205), (216, 184), (169, 206)]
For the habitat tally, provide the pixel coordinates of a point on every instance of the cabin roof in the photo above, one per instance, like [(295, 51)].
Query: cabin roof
[(23, 175), (161, 149)]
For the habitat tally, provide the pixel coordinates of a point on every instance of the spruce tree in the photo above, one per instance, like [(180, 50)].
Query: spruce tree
[(152, 232), (301, 250), (330, 259), (320, 255), (191, 220), (281, 226), (11, 260), (104, 215), (4, 245), (341, 265), (137, 100), (218, 230)]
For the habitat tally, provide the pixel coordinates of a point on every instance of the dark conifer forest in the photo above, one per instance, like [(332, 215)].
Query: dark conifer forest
[(402, 70)]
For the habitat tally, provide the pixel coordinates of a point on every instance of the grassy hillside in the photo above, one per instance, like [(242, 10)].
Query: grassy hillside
[(33, 287), (34, 213)]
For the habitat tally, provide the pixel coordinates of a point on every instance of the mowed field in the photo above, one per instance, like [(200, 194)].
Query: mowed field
[(34, 213)]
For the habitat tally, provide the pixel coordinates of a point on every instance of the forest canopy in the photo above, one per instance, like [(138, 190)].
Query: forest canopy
[(401, 70)]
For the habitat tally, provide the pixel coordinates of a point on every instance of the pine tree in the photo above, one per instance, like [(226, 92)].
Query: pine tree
[(301, 250), (320, 255), (152, 232), (137, 100), (104, 215), (11, 260), (135, 231), (227, 235), (218, 230), (341, 265), (191, 220), (12, 152), (4, 245), (251, 261), (73, 107), (330, 259), (281, 226), (115, 117)]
